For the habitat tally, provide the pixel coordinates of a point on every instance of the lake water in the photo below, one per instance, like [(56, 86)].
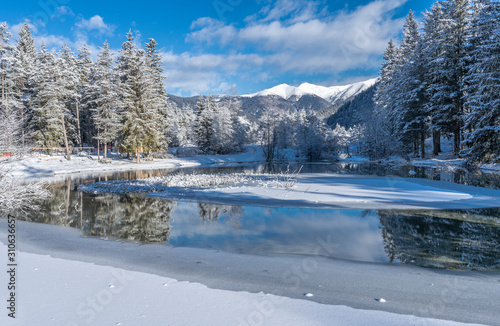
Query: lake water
[(452, 239)]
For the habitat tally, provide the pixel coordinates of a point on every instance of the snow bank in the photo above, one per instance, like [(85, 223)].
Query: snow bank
[(308, 190), (46, 167), (55, 291)]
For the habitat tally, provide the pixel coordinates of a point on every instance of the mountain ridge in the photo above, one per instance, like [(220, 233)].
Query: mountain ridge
[(331, 94), (303, 97)]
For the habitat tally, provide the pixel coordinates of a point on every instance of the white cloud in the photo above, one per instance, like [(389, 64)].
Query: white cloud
[(95, 23), (298, 36), (292, 10), (52, 42), (210, 29), (197, 74), (62, 11)]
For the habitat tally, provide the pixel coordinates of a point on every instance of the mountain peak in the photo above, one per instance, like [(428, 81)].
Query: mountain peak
[(331, 94)]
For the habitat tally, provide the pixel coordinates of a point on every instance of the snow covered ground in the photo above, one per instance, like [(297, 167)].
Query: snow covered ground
[(63, 292), (307, 191), (45, 167), (66, 279)]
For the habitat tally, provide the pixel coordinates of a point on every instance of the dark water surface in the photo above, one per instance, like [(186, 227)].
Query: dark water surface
[(452, 239)]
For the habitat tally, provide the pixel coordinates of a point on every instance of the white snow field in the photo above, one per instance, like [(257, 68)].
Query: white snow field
[(309, 191), (67, 292)]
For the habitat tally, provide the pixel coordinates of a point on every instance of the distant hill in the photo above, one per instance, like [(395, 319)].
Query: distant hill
[(353, 111)]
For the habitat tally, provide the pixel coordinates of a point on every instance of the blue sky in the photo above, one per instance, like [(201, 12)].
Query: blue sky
[(212, 46)]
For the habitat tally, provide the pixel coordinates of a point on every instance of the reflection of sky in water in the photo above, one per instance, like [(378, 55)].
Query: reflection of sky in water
[(281, 231)]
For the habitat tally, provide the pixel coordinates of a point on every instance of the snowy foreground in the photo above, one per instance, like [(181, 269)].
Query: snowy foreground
[(64, 292), (98, 282), (306, 191)]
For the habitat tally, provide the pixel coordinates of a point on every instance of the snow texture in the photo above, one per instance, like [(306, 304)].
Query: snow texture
[(63, 292)]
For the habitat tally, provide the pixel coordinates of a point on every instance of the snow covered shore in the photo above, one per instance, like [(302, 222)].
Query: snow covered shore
[(309, 191), (44, 167), (66, 279)]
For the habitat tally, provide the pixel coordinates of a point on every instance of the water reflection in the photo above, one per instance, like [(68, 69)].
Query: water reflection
[(456, 239), (130, 218), (443, 239)]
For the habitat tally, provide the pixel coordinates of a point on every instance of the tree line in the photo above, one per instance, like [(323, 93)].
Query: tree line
[(53, 99), (442, 80)]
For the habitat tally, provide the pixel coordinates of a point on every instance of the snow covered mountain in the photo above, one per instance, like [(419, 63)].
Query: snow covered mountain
[(324, 100), (332, 94)]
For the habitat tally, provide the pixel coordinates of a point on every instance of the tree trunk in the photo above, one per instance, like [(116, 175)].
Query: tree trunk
[(422, 143), (456, 146), (78, 124), (65, 137), (105, 150), (3, 86), (22, 126), (138, 156), (436, 142), (415, 144), (98, 152)]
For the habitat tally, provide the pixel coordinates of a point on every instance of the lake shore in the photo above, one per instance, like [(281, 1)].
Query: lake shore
[(49, 168)]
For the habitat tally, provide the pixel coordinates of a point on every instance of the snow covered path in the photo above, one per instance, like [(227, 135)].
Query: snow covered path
[(96, 282), (313, 191)]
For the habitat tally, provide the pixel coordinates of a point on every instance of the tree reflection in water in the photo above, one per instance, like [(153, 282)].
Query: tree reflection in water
[(130, 218), (453, 239), (211, 213)]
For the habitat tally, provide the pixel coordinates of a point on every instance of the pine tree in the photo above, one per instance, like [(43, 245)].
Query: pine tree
[(10, 119), (204, 123), (23, 70), (158, 104), (85, 65), (483, 81), (446, 68), (70, 80), (49, 102), (434, 27), (411, 114), (140, 114), (105, 101), (181, 125), (6, 58), (387, 88), (312, 136)]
